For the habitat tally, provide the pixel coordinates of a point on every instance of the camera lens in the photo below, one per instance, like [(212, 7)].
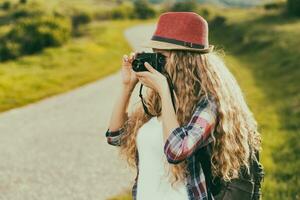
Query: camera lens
[(161, 60), (136, 65)]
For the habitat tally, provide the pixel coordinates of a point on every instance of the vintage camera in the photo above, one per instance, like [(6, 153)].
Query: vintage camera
[(156, 60)]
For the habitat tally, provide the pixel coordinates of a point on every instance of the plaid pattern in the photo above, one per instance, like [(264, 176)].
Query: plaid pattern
[(114, 137), (182, 144)]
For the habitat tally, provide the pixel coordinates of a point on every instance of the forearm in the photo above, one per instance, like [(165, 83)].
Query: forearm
[(119, 114), (169, 118)]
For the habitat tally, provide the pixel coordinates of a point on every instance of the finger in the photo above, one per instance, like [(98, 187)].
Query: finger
[(126, 61), (149, 67), (142, 80), (125, 58), (139, 76), (131, 56), (142, 74)]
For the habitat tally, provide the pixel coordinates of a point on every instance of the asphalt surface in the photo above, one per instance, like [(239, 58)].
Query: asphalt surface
[(56, 149)]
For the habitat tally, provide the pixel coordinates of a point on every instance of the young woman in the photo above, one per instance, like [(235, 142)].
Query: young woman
[(210, 109)]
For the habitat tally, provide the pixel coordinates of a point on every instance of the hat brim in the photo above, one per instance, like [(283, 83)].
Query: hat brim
[(166, 45)]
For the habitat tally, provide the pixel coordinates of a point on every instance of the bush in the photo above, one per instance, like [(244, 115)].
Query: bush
[(123, 11), (204, 13), (293, 7), (103, 14), (29, 36), (9, 50), (80, 18), (143, 10), (218, 21), (23, 1), (27, 11), (187, 6), (118, 14), (274, 5), (6, 5)]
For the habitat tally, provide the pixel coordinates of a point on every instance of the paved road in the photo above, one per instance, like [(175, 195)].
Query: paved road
[(56, 150)]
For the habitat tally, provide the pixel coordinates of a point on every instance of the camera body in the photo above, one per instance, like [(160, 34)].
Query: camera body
[(156, 60)]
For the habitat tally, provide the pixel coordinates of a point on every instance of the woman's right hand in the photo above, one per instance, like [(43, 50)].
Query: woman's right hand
[(128, 75)]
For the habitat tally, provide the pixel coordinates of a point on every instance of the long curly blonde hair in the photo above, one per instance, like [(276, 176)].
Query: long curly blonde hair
[(196, 76)]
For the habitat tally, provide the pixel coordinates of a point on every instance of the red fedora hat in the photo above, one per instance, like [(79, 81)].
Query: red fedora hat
[(181, 30)]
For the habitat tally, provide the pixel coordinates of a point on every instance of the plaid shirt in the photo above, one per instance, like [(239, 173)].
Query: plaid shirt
[(182, 144)]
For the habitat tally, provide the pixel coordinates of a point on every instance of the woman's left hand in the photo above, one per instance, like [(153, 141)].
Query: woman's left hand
[(152, 79)]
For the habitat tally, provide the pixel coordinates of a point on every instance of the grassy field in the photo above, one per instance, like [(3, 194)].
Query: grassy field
[(262, 51), (264, 44), (56, 70), (89, 4)]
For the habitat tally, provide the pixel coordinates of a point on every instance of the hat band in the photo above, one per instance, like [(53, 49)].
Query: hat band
[(178, 42)]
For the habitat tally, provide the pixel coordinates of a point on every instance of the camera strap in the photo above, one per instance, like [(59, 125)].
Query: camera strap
[(171, 88)]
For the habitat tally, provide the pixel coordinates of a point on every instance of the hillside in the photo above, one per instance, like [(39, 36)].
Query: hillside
[(262, 50), (226, 3)]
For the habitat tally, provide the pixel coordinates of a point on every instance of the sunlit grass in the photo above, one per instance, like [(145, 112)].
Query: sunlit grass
[(56, 70)]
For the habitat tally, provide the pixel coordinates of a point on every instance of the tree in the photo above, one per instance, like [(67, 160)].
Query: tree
[(293, 7), (143, 10), (6, 5), (78, 18), (23, 1), (185, 6)]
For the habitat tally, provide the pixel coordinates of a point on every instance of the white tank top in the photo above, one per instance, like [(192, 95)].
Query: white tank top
[(152, 181)]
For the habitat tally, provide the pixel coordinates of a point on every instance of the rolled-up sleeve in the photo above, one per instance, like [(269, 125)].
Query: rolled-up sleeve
[(184, 140), (114, 137)]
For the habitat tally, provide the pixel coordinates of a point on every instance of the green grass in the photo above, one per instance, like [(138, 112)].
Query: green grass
[(56, 70), (69, 3)]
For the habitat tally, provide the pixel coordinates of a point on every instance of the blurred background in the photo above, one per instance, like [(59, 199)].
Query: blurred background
[(52, 47)]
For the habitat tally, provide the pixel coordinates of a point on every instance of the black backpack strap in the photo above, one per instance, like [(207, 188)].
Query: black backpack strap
[(258, 175), (213, 186)]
